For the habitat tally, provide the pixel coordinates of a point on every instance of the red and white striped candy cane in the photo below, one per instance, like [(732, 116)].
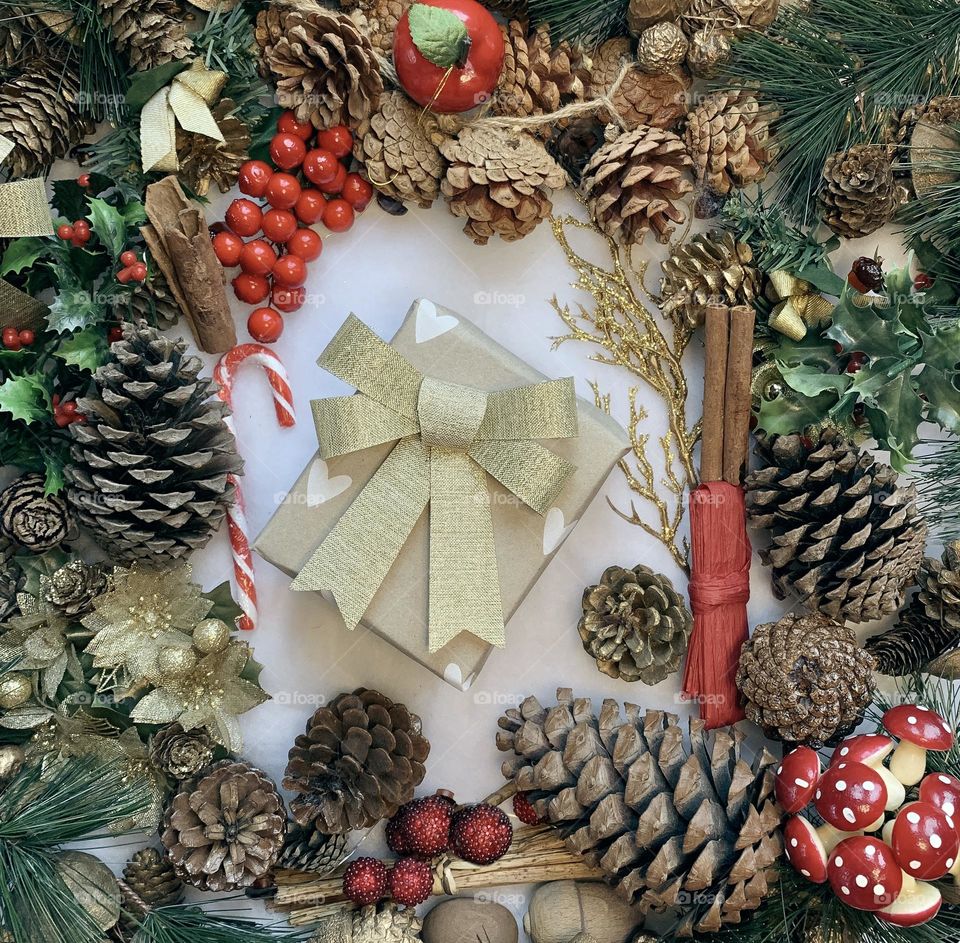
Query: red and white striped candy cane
[(224, 374)]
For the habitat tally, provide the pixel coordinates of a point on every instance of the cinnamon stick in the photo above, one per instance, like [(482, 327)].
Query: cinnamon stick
[(714, 384), (736, 408)]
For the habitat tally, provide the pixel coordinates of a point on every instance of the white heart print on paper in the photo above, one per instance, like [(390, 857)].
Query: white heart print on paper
[(555, 530), (321, 487), (430, 324)]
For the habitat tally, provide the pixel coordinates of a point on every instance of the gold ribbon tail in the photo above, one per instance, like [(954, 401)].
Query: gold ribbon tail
[(800, 306)]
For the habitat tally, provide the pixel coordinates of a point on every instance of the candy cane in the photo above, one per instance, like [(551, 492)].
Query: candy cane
[(224, 374)]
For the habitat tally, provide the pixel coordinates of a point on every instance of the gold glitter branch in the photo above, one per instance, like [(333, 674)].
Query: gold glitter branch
[(628, 334)]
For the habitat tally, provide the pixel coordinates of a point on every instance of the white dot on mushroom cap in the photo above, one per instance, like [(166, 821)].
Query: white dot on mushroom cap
[(819, 794), (913, 818), (838, 861), (911, 719), (949, 819), (869, 785), (779, 770), (802, 783), (879, 890), (849, 816), (914, 865), (842, 766), (845, 890), (841, 785), (861, 880), (844, 751), (948, 808), (949, 863), (935, 840), (870, 849), (804, 872), (793, 843)]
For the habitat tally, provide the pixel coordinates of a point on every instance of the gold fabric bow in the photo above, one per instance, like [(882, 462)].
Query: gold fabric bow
[(449, 435), (800, 306), (186, 100)]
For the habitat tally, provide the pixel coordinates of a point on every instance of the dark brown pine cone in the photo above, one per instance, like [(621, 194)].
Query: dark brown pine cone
[(31, 518)]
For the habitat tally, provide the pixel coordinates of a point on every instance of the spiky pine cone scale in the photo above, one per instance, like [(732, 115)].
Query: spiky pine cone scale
[(306, 849)]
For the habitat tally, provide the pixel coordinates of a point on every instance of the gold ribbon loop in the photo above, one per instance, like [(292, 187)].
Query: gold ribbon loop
[(449, 435), (800, 306)]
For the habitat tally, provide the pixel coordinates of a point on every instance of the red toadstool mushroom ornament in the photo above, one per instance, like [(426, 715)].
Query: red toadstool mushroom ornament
[(924, 841), (864, 874), (805, 849), (872, 749), (797, 778), (916, 903), (943, 791), (851, 797), (918, 729)]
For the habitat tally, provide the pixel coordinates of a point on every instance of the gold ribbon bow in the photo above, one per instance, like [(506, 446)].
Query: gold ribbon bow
[(449, 435), (186, 100), (800, 306)]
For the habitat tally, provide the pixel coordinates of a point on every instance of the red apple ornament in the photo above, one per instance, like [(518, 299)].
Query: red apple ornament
[(448, 54)]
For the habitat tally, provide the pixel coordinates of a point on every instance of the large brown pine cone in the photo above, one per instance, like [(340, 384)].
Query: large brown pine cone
[(847, 538), (225, 830), (324, 66), (32, 518), (859, 193), (360, 759), (728, 138), (500, 181), (378, 20), (805, 679), (632, 184), (150, 301), (644, 13), (148, 32), (22, 37), (691, 831)]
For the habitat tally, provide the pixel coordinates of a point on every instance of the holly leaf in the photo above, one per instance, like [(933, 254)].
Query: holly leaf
[(111, 224), (85, 350), (810, 350), (70, 199), (224, 606), (440, 35), (941, 348), (902, 410), (72, 310), (943, 397), (53, 480), (823, 278), (809, 381), (23, 253), (24, 397), (866, 330), (786, 414)]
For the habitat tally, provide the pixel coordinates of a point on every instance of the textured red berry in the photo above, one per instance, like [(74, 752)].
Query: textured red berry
[(365, 881), (424, 827), (397, 840), (523, 809), (410, 882), (481, 834)]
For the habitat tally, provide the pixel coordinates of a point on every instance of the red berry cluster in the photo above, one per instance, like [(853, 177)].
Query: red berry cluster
[(14, 339), (367, 880), (133, 270), (276, 266), (65, 413), (77, 234)]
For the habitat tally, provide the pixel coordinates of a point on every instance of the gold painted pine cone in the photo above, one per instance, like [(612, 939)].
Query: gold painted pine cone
[(71, 589), (205, 161), (846, 537), (153, 879), (384, 923), (660, 818), (634, 183), (805, 679), (181, 754), (635, 624), (500, 181), (661, 47), (859, 193)]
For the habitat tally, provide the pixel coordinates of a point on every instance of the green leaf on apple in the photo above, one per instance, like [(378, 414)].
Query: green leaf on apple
[(440, 35)]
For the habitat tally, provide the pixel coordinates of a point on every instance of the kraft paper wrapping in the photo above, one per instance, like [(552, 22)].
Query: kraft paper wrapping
[(449, 349)]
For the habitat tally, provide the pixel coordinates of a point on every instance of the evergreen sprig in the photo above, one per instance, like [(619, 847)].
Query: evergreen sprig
[(189, 924), (587, 21), (937, 478)]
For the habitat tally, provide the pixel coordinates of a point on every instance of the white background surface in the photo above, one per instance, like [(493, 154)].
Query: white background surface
[(376, 270)]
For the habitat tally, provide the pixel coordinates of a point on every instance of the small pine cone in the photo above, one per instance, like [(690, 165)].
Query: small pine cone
[(847, 538), (805, 679), (661, 48), (635, 624), (710, 268), (225, 830), (659, 101), (399, 147), (306, 849), (205, 161), (153, 879), (709, 49), (633, 182), (148, 32), (500, 181), (378, 20), (360, 759), (71, 590), (644, 13), (150, 301), (382, 923), (859, 193), (324, 66), (181, 755), (727, 135), (31, 518)]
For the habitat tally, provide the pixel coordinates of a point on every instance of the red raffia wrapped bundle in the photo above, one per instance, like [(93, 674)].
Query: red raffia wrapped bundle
[(720, 572)]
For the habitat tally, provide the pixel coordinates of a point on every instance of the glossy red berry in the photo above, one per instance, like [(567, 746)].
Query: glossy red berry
[(310, 204), (320, 166), (357, 192), (279, 225), (338, 216), (265, 325), (125, 274), (287, 151), (283, 191), (258, 257), (251, 289), (26, 337), (922, 282), (523, 809), (244, 217), (856, 361), (254, 176), (69, 408), (129, 257), (65, 232), (306, 244), (365, 881), (81, 230), (481, 834), (11, 339), (288, 123), (336, 185), (410, 882), (228, 246), (290, 271), (138, 272), (83, 180), (114, 334), (287, 299), (337, 139)]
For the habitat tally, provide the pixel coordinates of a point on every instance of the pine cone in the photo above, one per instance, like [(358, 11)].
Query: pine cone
[(635, 624), (204, 160), (225, 830), (644, 13), (306, 849), (71, 590), (859, 193), (31, 518), (500, 181), (727, 135), (149, 470), (324, 67), (40, 112), (661, 48), (757, 14), (709, 50), (150, 301), (22, 37), (510, 9), (153, 879), (631, 184), (667, 824), (805, 680), (179, 754), (148, 32), (378, 20), (659, 101), (359, 761), (399, 148), (575, 143), (12, 578), (384, 923), (710, 268), (846, 537)]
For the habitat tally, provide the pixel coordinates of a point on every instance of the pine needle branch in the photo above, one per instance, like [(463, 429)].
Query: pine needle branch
[(587, 21), (192, 925)]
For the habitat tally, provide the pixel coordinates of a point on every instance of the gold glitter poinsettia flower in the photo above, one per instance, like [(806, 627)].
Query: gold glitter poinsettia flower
[(211, 694)]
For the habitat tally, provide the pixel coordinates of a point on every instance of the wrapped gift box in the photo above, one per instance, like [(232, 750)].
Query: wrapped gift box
[(446, 347)]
